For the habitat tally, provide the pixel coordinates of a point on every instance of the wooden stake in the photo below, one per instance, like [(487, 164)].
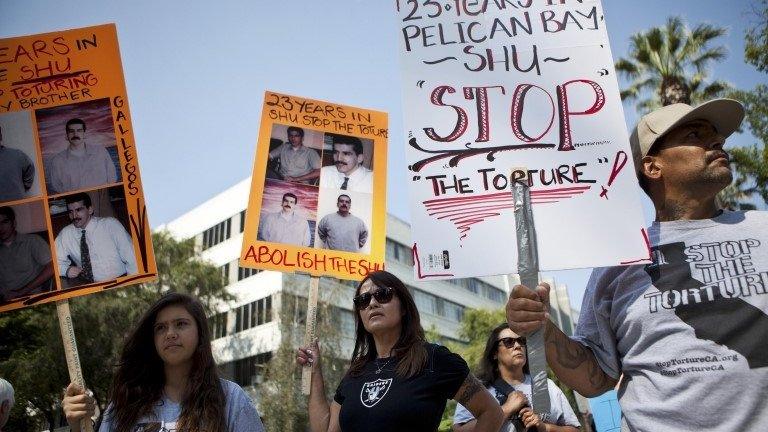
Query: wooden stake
[(70, 351), (309, 336)]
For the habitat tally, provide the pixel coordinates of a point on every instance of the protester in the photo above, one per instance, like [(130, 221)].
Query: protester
[(6, 402), (396, 380), (166, 379), (504, 372), (687, 331)]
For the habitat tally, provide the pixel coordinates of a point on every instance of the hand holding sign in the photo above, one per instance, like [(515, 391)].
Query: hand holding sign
[(527, 309), (309, 355), (77, 406)]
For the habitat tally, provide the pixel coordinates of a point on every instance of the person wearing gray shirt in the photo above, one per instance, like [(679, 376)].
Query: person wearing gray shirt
[(342, 230), (166, 379), (26, 266), (298, 163), (17, 172), (239, 412), (80, 165), (685, 335)]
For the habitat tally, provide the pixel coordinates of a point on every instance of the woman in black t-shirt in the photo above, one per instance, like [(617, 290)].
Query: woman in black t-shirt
[(396, 380)]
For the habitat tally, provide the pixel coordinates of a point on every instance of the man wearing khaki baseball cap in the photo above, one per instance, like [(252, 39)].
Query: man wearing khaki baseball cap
[(688, 331), (679, 140)]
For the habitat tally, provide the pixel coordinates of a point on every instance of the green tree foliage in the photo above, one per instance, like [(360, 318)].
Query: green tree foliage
[(668, 64), (283, 406), (751, 162), (32, 354), (755, 51), (475, 327)]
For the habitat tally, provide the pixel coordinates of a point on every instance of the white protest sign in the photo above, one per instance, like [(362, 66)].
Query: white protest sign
[(489, 85)]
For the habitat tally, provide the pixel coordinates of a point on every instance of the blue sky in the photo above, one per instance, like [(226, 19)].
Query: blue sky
[(196, 73)]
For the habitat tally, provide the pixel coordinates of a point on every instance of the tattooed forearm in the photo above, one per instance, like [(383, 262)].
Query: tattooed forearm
[(575, 364), (597, 377), (570, 355), (470, 386)]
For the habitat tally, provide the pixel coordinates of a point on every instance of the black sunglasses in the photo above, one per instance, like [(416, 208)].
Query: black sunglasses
[(509, 342), (382, 295)]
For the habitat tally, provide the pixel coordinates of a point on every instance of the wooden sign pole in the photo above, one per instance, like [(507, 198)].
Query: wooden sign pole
[(309, 336), (70, 351)]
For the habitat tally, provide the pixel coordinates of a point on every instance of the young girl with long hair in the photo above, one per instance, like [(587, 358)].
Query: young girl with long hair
[(396, 380), (166, 379)]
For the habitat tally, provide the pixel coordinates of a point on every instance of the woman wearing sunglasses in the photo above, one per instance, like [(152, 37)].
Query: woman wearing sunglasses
[(396, 380), (504, 372)]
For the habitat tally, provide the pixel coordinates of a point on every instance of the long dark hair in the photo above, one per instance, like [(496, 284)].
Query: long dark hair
[(488, 370), (139, 381), (409, 347)]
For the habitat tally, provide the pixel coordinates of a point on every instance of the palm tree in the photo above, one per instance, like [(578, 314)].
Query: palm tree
[(671, 63)]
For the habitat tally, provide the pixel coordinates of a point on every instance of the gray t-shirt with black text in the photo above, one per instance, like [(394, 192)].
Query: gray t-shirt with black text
[(690, 331)]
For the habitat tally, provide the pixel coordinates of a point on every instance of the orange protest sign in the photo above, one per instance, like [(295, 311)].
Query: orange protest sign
[(73, 219), (318, 191)]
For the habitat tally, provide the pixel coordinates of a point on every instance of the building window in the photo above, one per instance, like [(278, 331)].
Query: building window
[(484, 289), (453, 311), (217, 233), (242, 221), (496, 294), (391, 251), (225, 273), (244, 272), (346, 322), (253, 314), (398, 252), (218, 324), (425, 302), (472, 285), (248, 371), (428, 303)]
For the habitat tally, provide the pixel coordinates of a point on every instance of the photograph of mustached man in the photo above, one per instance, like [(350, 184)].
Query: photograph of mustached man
[(93, 241), (346, 221), (79, 146), (295, 154), (288, 213), (26, 266), (347, 163)]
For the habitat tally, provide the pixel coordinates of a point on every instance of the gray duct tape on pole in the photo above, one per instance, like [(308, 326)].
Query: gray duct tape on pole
[(528, 268)]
